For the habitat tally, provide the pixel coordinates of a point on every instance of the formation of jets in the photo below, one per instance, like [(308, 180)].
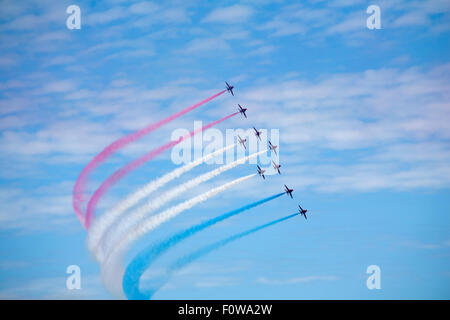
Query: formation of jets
[(257, 133), (288, 191), (261, 172), (272, 147), (276, 167), (242, 142), (230, 88), (302, 211), (242, 110)]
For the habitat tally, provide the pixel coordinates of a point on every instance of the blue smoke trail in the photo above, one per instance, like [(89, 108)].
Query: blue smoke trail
[(146, 257), (187, 259), (182, 262)]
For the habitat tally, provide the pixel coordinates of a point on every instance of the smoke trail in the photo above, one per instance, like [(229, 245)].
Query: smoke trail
[(182, 262), (120, 173), (101, 225), (110, 266), (131, 287), (132, 219), (80, 184), (145, 258)]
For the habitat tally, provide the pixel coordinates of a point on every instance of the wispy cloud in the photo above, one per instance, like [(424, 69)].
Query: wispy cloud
[(347, 18), (358, 110), (427, 245), (297, 280), (206, 45), (232, 14), (55, 289)]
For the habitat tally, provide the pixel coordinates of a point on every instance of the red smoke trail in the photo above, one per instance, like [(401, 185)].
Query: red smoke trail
[(120, 173), (80, 184)]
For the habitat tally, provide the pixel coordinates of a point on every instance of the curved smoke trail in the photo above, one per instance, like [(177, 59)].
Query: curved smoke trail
[(80, 184), (189, 258), (111, 267), (146, 257), (129, 167), (105, 221), (131, 220)]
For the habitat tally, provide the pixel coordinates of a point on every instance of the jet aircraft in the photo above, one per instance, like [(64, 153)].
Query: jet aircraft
[(273, 147), (230, 88), (261, 172), (257, 133), (242, 110), (276, 167), (242, 141), (302, 211), (288, 191)]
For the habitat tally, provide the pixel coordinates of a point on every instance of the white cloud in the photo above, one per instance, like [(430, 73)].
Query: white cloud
[(54, 289), (297, 280), (416, 18), (353, 23), (19, 210), (395, 119), (214, 282), (346, 3), (281, 27), (263, 50), (60, 86), (60, 60), (232, 14), (143, 7), (14, 104), (107, 16), (174, 15), (86, 138), (44, 14), (8, 61), (206, 45), (13, 264), (162, 16), (427, 245), (53, 36), (347, 18)]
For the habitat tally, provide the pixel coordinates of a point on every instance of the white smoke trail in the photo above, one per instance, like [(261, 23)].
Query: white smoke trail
[(104, 222), (129, 221), (112, 271)]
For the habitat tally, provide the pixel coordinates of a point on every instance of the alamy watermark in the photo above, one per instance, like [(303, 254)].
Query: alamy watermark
[(374, 20), (74, 20), (213, 139), (74, 280), (374, 280)]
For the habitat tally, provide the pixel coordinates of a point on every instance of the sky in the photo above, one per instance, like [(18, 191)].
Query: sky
[(363, 119)]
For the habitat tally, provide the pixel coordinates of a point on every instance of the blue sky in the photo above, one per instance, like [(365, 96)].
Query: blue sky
[(364, 140)]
